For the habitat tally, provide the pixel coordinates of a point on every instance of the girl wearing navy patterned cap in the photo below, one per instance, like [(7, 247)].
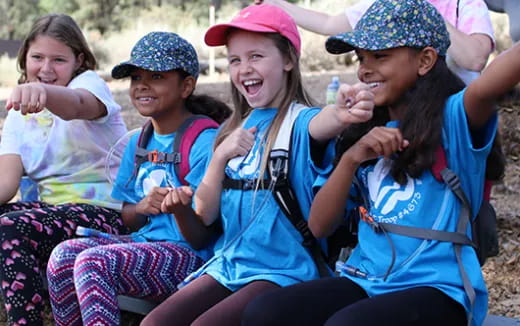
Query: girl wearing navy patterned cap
[(86, 275), (393, 279)]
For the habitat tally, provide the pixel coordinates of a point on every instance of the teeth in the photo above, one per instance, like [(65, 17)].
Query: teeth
[(251, 82), (374, 85), (144, 98)]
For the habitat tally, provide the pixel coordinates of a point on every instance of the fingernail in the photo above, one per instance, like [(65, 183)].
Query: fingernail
[(349, 102)]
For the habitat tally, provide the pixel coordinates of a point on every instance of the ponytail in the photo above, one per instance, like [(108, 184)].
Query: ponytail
[(209, 106)]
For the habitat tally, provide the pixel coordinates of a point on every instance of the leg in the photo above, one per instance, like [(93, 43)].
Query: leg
[(308, 303), (27, 238), (150, 270), (187, 304), (60, 268), (229, 311), (404, 308)]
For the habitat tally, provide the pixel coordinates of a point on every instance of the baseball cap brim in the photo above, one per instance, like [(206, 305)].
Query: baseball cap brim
[(360, 39), (124, 69), (217, 35)]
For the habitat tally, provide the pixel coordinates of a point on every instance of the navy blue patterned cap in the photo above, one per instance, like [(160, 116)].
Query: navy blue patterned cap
[(160, 51), (389, 24)]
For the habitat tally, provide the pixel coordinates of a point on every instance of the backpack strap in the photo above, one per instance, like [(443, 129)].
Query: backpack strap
[(283, 192), (185, 137)]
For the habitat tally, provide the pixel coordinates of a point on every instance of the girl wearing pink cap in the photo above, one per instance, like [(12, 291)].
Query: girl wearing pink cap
[(260, 249)]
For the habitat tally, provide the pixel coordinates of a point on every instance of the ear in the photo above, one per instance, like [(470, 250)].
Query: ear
[(289, 65), (79, 60), (188, 86), (427, 59)]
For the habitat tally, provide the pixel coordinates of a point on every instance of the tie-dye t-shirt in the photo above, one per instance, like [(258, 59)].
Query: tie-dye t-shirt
[(67, 158), (473, 18)]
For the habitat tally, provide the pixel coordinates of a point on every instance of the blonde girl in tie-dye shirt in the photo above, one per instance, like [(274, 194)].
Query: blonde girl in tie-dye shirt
[(61, 123)]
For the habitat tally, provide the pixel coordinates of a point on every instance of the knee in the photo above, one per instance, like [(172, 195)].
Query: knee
[(262, 311)]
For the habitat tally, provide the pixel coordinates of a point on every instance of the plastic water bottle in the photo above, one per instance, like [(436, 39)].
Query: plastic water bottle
[(332, 90), (28, 190)]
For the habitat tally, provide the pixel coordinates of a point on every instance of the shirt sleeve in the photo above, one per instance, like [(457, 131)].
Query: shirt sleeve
[(91, 82), (356, 11), (474, 18), (11, 133)]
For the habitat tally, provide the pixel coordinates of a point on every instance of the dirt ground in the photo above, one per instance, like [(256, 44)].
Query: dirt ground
[(502, 273)]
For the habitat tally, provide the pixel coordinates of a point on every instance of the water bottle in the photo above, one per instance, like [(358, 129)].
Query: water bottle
[(332, 90)]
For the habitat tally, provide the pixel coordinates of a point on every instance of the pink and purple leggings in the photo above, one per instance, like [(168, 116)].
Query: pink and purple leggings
[(28, 233), (86, 275)]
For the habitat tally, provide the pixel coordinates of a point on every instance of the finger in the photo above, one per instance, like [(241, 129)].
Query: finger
[(184, 197), (8, 105), (345, 97), (42, 101)]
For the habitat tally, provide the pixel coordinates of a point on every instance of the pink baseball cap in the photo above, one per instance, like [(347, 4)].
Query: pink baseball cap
[(262, 18)]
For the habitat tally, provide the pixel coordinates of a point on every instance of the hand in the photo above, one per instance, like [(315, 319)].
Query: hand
[(355, 103), (28, 98), (151, 204), (177, 200), (238, 143), (380, 141)]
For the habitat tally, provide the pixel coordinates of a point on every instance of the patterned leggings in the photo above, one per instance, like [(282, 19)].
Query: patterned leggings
[(94, 271), (28, 233)]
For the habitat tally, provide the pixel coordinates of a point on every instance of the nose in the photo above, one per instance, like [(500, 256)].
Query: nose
[(364, 71), (46, 65), (245, 68), (141, 84)]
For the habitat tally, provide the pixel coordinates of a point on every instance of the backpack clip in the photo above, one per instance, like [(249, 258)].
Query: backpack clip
[(363, 213), (156, 157)]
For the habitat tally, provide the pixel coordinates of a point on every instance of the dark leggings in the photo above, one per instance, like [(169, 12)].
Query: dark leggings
[(28, 233), (204, 301), (339, 301)]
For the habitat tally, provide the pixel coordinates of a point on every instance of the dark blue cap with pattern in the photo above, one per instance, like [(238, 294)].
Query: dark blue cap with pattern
[(160, 51), (389, 24)]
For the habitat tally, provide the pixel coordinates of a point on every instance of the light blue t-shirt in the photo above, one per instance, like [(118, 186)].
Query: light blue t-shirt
[(427, 203), (259, 242), (161, 227)]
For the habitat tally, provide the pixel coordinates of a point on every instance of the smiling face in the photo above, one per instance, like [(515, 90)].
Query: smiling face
[(389, 73), (257, 68), (51, 61), (155, 93)]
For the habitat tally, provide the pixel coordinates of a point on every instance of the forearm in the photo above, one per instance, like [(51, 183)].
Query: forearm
[(207, 196), (328, 206), (11, 171), (70, 104), (470, 52), (314, 21), (193, 230), (133, 220), (502, 74), (326, 125)]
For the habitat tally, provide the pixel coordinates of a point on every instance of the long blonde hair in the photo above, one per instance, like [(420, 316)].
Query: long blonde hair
[(294, 91)]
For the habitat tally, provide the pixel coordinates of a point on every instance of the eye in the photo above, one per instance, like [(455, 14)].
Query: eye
[(233, 61), (36, 57), (380, 55), (157, 76), (256, 56), (135, 77), (60, 60)]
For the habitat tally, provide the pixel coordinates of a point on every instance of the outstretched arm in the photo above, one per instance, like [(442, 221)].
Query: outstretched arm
[(481, 97), (354, 104), (311, 20), (66, 103)]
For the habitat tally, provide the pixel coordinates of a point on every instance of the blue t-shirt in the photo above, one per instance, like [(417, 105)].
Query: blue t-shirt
[(259, 242), (161, 227), (426, 203)]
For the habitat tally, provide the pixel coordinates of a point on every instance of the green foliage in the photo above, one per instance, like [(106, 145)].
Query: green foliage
[(16, 17)]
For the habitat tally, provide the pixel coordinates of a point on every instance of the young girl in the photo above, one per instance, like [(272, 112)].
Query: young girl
[(394, 279), (86, 275), (62, 121), (260, 249)]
